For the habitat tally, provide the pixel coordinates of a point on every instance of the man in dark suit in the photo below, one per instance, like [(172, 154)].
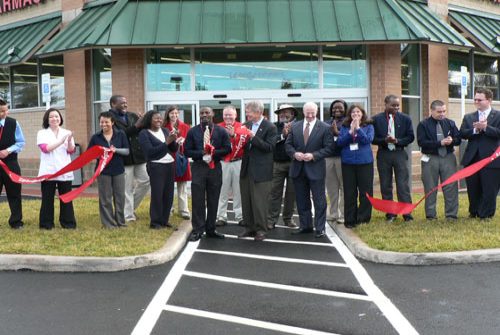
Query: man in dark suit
[(257, 171), (393, 132), (281, 168), (482, 129), (207, 144), (308, 143)]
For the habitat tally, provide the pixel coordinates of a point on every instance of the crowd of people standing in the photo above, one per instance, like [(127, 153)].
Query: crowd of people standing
[(257, 162)]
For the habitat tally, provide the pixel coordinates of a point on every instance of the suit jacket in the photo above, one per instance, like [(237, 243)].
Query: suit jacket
[(136, 155), (258, 154), (154, 148), (403, 130), (320, 144), (483, 144)]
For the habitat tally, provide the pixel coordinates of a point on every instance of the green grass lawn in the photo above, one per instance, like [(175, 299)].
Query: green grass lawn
[(439, 235), (89, 239)]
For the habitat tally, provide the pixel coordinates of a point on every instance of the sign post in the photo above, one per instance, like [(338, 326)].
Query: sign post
[(463, 88), (46, 89)]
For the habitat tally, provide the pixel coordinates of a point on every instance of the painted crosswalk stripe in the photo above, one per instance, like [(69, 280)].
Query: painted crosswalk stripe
[(244, 321), (272, 258), (292, 288)]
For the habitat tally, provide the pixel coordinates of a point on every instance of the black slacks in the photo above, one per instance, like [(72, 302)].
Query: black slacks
[(357, 180), (205, 192), (66, 212), (13, 191), (161, 178), (482, 190)]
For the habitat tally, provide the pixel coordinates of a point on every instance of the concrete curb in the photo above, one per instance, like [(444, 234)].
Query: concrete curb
[(99, 264), (361, 250)]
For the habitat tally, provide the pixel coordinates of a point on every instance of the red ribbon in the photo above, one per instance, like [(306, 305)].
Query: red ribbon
[(88, 156), (401, 208), (210, 150)]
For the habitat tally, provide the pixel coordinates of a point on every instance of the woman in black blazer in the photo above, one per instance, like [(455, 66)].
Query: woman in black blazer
[(158, 145)]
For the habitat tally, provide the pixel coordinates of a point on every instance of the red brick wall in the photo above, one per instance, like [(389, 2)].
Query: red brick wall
[(128, 76), (77, 85), (385, 74)]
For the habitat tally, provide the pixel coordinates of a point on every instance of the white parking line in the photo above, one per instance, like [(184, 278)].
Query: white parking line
[(292, 288), (152, 313), (244, 321), (270, 240), (395, 317), (273, 258)]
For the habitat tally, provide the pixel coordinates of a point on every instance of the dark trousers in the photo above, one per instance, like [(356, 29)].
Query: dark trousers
[(393, 161), (280, 175), (66, 212), (357, 180), (13, 191), (205, 191), (304, 187), (482, 190), (161, 179)]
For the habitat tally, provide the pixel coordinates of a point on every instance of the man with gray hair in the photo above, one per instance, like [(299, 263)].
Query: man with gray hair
[(257, 171), (310, 141), (436, 136)]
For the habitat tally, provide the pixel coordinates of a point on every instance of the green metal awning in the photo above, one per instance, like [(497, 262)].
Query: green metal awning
[(19, 41), (168, 23), (482, 28)]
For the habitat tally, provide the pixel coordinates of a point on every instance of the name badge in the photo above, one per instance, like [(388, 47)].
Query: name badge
[(353, 146), (425, 158), (335, 138)]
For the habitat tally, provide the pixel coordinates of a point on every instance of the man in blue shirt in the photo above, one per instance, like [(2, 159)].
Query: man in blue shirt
[(11, 143)]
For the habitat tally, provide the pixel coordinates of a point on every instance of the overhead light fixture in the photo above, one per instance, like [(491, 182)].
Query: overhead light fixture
[(13, 51)]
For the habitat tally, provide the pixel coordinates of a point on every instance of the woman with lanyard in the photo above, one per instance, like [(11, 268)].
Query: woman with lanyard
[(159, 146), (172, 122), (111, 182), (355, 138), (56, 145)]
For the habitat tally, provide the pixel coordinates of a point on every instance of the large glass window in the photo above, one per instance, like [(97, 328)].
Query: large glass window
[(55, 66), (254, 69), (5, 84), (486, 73), (25, 85), (168, 70), (457, 59), (410, 84), (101, 68), (344, 67)]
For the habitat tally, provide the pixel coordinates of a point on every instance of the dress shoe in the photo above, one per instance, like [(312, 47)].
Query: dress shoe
[(407, 218), (215, 234), (167, 225), (390, 219), (259, 236), (430, 218), (451, 218), (157, 226), (220, 223), (270, 226), (302, 231), (350, 225), (320, 234), (241, 223), (247, 233), (193, 237)]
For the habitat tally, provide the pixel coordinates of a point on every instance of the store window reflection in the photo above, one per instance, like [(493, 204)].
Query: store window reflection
[(4, 84), (101, 68), (486, 73), (168, 71), (344, 67), (238, 69), (25, 85), (55, 67)]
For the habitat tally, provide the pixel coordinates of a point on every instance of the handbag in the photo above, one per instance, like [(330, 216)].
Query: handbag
[(181, 164)]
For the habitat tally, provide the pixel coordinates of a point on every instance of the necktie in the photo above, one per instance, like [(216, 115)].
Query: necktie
[(306, 133), (392, 132), (440, 135), (206, 136)]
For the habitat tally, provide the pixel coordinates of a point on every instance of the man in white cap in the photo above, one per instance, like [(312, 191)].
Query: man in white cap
[(281, 167)]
